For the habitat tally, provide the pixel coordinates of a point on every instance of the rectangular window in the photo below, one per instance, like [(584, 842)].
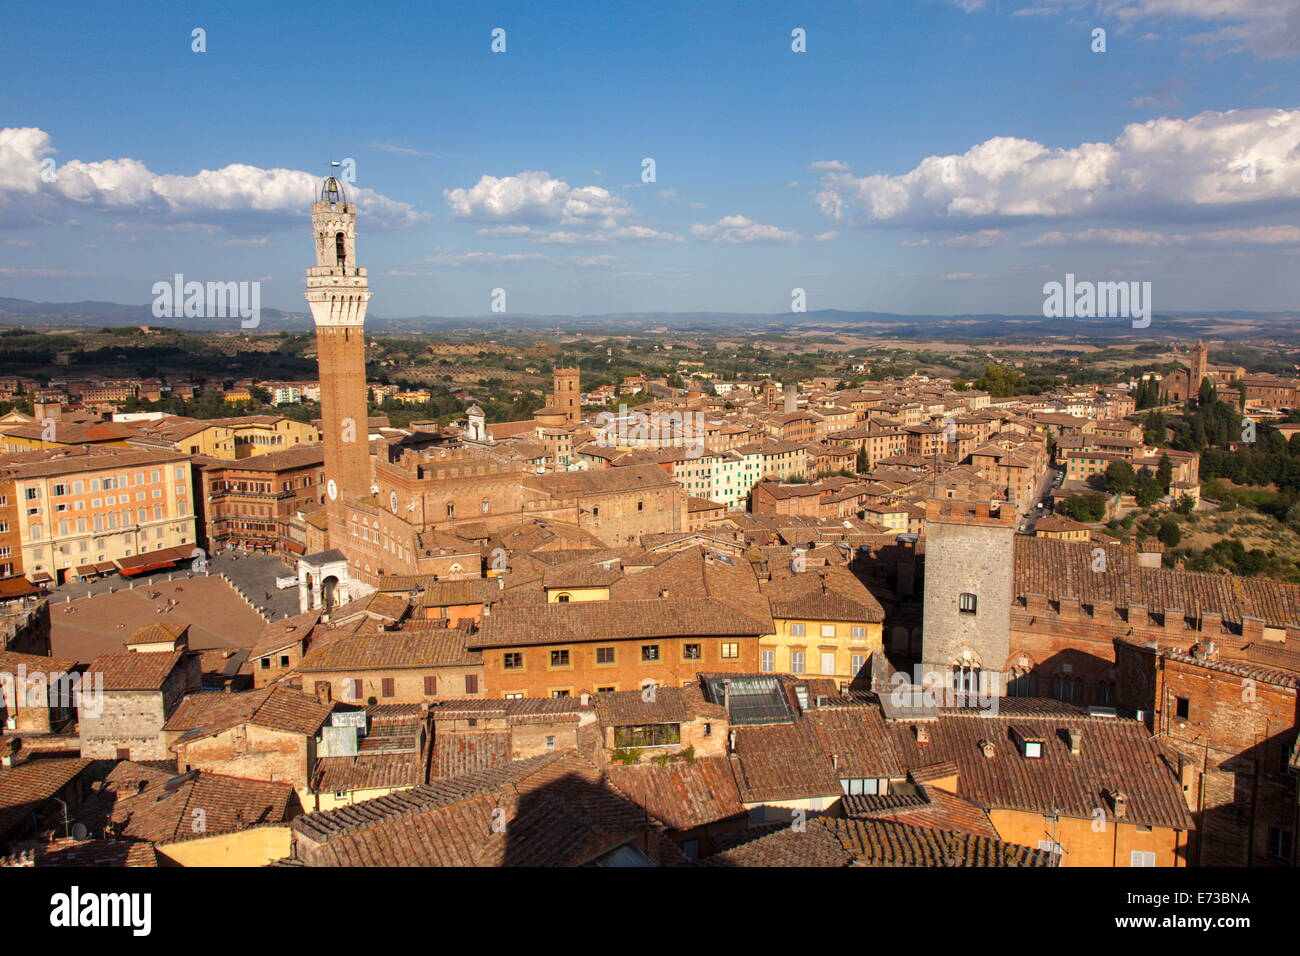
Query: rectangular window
[(859, 633), (796, 630), (648, 735), (692, 652), (604, 655), (828, 630), (796, 662), (1141, 858), (1183, 707), (967, 603), (354, 688), (856, 663), (471, 683), (431, 687), (649, 653), (389, 687), (1280, 843), (559, 658), (767, 661), (730, 650), (512, 661)]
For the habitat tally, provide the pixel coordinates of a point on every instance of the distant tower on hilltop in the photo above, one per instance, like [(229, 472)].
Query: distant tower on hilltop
[(566, 393), (1200, 368), (337, 292)]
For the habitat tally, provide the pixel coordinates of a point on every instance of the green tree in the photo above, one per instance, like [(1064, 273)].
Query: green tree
[(999, 381), (1120, 477), (1146, 489), (1168, 534), (1085, 508), (862, 464)]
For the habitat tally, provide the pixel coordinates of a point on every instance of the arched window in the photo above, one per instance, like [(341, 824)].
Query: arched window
[(562, 598), (484, 506), (965, 678), (1105, 691), (1022, 683), (340, 249)]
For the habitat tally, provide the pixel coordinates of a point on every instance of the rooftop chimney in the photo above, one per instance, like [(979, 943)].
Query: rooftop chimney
[(585, 698), (986, 746), (1120, 803), (1075, 736), (922, 734)]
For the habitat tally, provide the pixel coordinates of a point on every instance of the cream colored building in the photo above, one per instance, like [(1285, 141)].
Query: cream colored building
[(89, 509)]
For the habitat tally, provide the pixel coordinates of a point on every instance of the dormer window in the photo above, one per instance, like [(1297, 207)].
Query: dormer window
[(1030, 743)]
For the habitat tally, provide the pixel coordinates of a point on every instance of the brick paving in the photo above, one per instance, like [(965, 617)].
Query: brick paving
[(89, 626)]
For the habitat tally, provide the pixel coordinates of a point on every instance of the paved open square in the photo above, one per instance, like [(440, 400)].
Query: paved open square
[(218, 617)]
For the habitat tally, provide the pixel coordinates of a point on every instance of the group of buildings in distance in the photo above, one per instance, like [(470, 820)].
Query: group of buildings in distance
[(768, 627)]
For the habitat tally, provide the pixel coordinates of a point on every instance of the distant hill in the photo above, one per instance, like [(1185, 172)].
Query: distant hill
[(1278, 327)]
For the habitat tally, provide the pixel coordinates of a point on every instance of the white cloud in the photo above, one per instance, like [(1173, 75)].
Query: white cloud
[(448, 257), (1257, 235), (1268, 28), (1188, 169), (739, 229), (562, 237), (976, 240), (827, 236), (534, 197), (233, 195), (397, 149), (829, 165)]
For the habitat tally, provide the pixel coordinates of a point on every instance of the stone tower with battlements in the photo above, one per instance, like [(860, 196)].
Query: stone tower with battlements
[(337, 292), (966, 628)]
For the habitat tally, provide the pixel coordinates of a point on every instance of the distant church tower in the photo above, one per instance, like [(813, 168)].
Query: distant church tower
[(566, 394), (337, 292), (1200, 367)]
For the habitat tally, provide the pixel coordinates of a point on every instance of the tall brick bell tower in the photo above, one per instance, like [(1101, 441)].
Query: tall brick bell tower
[(337, 292)]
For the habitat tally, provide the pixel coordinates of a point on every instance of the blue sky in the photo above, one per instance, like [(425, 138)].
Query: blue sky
[(920, 156)]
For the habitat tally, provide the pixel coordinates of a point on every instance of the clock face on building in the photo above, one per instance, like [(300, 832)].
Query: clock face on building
[(332, 489), (392, 501)]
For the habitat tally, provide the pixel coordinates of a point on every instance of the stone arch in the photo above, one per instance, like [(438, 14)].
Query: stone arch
[(330, 593)]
